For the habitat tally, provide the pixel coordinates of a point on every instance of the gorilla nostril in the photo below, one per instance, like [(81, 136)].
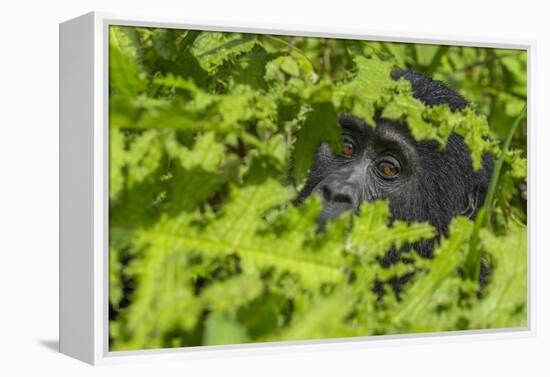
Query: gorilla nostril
[(327, 194), (342, 198), (336, 195)]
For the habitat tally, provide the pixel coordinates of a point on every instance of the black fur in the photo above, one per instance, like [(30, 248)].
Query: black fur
[(431, 92)]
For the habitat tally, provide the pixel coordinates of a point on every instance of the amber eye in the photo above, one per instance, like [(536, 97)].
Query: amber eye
[(388, 169), (347, 149)]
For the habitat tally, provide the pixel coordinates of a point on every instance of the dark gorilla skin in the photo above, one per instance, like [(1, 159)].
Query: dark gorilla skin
[(433, 184)]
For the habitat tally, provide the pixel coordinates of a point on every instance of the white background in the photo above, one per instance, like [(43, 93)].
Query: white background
[(29, 185)]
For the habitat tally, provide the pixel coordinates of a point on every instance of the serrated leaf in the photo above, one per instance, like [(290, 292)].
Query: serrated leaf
[(372, 234), (505, 305), (447, 257)]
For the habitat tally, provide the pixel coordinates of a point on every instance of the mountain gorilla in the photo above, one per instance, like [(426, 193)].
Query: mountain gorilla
[(422, 181)]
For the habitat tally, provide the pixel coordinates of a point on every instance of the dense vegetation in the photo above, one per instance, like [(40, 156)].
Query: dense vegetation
[(211, 136)]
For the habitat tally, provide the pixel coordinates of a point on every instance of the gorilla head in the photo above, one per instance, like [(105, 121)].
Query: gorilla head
[(422, 181)]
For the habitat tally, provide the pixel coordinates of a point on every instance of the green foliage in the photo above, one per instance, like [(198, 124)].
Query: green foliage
[(206, 129), (319, 126)]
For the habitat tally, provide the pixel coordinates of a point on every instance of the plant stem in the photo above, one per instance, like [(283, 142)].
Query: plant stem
[(473, 259), (498, 166), (436, 60)]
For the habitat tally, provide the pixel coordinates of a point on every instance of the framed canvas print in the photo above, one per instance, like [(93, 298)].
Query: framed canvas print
[(225, 187)]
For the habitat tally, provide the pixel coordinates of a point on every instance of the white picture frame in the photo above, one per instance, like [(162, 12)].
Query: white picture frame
[(84, 191)]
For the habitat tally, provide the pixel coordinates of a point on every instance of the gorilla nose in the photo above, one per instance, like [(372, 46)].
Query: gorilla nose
[(341, 194), (338, 197)]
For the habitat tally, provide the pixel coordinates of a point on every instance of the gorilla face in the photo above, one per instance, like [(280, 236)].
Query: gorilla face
[(421, 180), (372, 164)]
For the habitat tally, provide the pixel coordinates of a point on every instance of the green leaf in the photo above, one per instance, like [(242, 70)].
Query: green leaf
[(372, 234), (214, 48), (224, 331), (288, 65), (322, 320), (126, 75), (505, 305), (238, 233), (117, 160), (447, 258), (320, 125), (361, 94), (227, 296)]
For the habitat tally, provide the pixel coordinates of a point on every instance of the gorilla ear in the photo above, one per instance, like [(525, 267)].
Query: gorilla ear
[(472, 205), (481, 181)]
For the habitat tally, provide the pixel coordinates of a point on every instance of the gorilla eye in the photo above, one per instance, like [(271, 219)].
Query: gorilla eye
[(388, 168), (347, 149)]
